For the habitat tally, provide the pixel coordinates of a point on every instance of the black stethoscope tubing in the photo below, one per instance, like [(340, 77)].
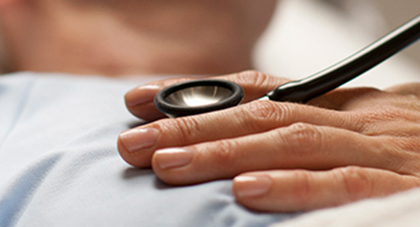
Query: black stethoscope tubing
[(310, 87), (349, 68)]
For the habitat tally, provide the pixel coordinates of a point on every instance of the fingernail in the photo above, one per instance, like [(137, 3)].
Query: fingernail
[(173, 157), (141, 95), (135, 140), (252, 186)]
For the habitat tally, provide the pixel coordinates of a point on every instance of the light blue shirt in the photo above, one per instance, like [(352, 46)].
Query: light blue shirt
[(59, 164)]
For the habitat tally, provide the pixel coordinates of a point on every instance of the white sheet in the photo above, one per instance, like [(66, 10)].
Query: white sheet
[(402, 209)]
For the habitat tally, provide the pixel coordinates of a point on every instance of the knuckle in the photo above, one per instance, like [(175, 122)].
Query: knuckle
[(371, 121), (303, 138), (367, 120), (302, 191), (185, 129), (390, 114), (254, 77), (256, 80), (266, 114), (224, 153), (406, 145), (385, 114), (356, 182), (360, 121), (261, 109), (402, 154)]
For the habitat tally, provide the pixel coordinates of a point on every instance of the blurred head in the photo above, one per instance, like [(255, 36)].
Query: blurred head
[(3, 57), (111, 37)]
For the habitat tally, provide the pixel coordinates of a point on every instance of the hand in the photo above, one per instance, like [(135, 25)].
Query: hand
[(347, 145)]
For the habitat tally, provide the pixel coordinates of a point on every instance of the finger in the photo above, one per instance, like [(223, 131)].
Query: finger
[(297, 146), (251, 118), (255, 85), (139, 101), (300, 190)]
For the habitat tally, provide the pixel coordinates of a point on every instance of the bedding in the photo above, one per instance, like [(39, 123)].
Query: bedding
[(401, 209)]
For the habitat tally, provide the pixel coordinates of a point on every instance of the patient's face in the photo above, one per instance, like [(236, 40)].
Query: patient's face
[(250, 16), (185, 36)]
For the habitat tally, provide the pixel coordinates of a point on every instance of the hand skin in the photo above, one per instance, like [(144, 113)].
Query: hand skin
[(347, 145)]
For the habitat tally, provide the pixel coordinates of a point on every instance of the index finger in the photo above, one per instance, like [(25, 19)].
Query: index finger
[(139, 101)]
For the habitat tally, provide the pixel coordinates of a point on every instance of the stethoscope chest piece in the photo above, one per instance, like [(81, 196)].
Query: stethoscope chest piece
[(199, 96)]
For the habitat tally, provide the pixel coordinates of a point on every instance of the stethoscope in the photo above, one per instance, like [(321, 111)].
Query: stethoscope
[(201, 96)]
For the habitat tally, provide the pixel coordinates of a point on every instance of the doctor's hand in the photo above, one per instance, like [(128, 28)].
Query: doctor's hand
[(345, 146)]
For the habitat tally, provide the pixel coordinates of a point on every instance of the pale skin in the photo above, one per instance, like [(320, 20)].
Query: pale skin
[(347, 145)]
